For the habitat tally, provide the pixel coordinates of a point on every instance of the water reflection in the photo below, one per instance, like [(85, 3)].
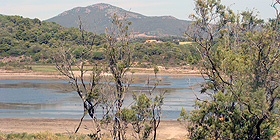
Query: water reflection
[(54, 99)]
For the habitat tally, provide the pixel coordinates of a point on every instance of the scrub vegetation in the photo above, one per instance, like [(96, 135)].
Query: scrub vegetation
[(240, 60)]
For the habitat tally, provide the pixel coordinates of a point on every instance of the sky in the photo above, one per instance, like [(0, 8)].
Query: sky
[(181, 9)]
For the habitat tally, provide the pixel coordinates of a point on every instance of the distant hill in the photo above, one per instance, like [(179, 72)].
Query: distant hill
[(96, 17)]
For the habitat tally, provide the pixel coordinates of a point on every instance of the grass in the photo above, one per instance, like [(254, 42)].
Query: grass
[(51, 68), (43, 136), (44, 68)]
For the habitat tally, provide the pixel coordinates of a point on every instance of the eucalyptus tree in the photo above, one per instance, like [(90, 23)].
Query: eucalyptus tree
[(240, 65)]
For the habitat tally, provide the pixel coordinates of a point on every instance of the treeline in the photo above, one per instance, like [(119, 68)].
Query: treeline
[(38, 39), (173, 39), (166, 53)]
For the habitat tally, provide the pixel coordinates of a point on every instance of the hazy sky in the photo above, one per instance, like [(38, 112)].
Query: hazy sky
[(45, 9)]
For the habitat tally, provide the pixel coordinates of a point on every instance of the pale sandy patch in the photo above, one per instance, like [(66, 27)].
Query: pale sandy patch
[(168, 129)]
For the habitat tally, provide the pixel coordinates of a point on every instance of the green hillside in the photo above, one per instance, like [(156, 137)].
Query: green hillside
[(31, 41), (30, 37)]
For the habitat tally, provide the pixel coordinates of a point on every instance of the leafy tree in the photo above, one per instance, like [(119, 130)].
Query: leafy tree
[(145, 113), (240, 65)]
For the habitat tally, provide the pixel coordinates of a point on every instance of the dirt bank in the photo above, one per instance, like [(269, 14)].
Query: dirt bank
[(167, 129), (173, 72)]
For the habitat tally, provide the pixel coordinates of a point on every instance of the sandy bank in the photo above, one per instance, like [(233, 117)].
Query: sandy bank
[(173, 73), (167, 129)]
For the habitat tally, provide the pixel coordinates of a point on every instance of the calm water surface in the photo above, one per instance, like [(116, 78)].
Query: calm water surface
[(53, 99)]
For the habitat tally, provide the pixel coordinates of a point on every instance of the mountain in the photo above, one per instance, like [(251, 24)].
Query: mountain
[(96, 17)]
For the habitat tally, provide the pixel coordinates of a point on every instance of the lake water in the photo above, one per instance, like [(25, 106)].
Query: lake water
[(53, 99)]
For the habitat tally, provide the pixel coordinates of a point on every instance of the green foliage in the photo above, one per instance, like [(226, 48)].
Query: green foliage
[(2, 64), (144, 114), (172, 39), (36, 56), (98, 55), (23, 36), (241, 65), (165, 53), (13, 65), (78, 52)]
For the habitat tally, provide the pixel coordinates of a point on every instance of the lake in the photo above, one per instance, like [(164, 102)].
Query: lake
[(53, 99)]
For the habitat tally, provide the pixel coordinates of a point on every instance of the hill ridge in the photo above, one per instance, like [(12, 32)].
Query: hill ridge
[(97, 17)]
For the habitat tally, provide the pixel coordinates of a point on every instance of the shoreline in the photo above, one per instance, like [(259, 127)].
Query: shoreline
[(4, 74), (168, 129)]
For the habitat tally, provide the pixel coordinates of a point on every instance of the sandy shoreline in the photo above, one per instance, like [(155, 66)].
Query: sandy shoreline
[(173, 73), (168, 129)]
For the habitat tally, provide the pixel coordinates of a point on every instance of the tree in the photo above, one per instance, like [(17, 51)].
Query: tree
[(118, 49), (145, 113), (241, 70), (91, 93)]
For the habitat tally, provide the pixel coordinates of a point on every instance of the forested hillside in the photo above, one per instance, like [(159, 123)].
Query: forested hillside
[(34, 41), (23, 36)]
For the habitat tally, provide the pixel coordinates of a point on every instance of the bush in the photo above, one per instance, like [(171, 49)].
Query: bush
[(2, 64), (36, 57), (98, 55)]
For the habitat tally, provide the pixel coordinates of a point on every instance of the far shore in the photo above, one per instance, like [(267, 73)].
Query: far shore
[(138, 72), (168, 129)]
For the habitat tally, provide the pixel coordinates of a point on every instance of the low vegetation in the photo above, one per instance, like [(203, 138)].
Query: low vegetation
[(44, 136), (240, 58)]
